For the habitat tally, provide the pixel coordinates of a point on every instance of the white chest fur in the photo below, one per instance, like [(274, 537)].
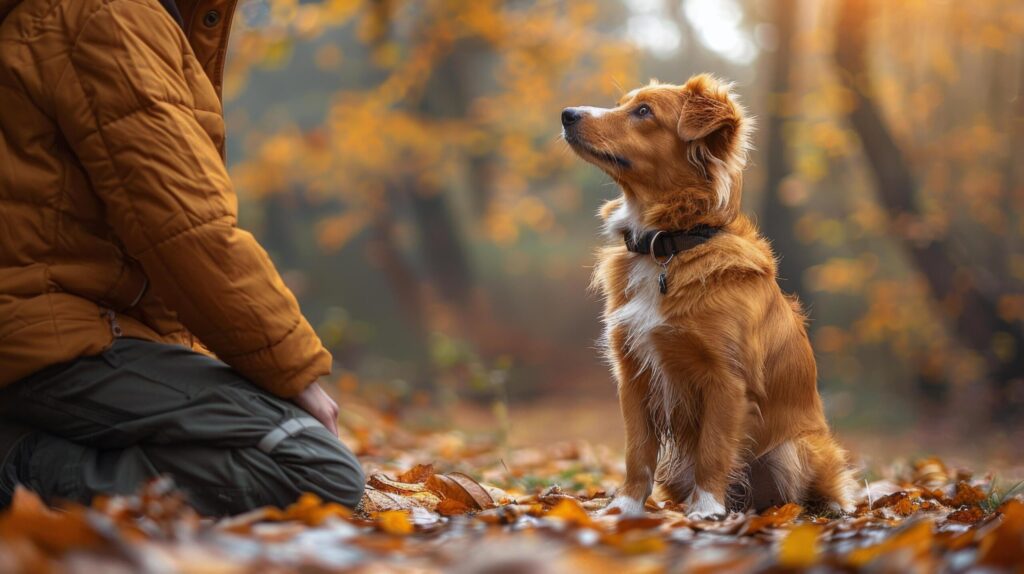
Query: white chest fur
[(639, 317)]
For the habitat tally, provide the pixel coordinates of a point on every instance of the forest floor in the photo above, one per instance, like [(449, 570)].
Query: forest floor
[(450, 501)]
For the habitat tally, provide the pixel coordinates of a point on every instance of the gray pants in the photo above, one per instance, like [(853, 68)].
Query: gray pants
[(105, 424)]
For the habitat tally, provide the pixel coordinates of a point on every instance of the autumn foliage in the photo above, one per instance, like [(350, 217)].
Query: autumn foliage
[(528, 509)]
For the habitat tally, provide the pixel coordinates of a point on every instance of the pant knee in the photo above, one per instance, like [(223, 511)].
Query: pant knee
[(324, 466)]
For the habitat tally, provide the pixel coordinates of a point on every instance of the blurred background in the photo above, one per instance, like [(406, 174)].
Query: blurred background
[(401, 162)]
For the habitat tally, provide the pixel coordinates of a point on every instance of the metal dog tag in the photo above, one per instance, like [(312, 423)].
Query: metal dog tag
[(663, 283)]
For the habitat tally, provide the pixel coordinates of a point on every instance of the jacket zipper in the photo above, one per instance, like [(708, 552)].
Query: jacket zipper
[(115, 327)]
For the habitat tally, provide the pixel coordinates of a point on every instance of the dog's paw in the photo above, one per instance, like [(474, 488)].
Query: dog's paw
[(704, 506), (841, 509), (706, 515), (626, 506)]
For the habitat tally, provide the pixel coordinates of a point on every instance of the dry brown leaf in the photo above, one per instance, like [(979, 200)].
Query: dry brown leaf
[(52, 531), (967, 495), (378, 501), (626, 524), (968, 515), (461, 488), (419, 473), (930, 473), (1004, 545), (476, 491), (915, 538), (383, 483), (774, 517), (452, 507)]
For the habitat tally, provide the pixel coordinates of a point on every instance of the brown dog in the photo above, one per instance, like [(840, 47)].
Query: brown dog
[(716, 376)]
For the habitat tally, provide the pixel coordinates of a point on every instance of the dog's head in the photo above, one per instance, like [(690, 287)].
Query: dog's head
[(678, 151)]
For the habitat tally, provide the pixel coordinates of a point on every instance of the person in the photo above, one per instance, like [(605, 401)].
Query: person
[(121, 263)]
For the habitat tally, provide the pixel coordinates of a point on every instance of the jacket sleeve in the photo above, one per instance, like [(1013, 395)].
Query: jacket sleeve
[(137, 110)]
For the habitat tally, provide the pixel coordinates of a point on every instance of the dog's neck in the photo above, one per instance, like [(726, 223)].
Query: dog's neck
[(634, 217)]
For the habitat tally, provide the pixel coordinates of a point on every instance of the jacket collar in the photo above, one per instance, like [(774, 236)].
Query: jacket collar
[(172, 8), (207, 25)]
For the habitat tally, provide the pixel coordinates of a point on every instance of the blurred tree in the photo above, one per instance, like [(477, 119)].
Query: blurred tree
[(972, 311), (779, 218), (443, 137)]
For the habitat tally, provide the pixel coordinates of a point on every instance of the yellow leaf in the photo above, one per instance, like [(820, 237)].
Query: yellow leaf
[(395, 522), (799, 549), (916, 539), (571, 512)]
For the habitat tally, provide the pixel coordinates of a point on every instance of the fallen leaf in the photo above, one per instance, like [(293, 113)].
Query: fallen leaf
[(800, 547), (571, 512), (915, 539), (395, 522), (52, 531), (419, 473), (1004, 546), (773, 517), (462, 488)]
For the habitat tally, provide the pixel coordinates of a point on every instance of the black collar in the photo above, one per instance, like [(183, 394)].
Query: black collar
[(668, 243)]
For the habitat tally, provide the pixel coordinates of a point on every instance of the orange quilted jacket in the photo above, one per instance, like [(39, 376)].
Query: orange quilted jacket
[(117, 216)]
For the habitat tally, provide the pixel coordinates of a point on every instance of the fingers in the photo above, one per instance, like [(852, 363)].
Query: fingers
[(331, 415), (315, 400), (332, 418)]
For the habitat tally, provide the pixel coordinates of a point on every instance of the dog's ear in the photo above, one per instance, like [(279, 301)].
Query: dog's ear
[(707, 107), (716, 132)]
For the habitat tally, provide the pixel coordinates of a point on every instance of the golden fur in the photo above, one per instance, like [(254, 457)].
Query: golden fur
[(716, 378)]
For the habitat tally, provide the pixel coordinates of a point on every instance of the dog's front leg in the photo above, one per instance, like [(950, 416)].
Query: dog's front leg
[(717, 446), (641, 447)]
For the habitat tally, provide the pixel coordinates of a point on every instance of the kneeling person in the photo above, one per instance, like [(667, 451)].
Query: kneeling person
[(120, 252)]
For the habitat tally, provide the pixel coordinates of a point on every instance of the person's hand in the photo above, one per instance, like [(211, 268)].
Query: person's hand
[(315, 401)]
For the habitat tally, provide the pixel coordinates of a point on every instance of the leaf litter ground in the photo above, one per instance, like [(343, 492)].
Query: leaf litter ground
[(442, 502)]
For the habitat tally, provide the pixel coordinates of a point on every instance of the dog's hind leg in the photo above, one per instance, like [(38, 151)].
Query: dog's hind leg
[(831, 481), (778, 476)]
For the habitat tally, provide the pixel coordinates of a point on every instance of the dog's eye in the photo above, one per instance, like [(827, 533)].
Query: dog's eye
[(643, 111)]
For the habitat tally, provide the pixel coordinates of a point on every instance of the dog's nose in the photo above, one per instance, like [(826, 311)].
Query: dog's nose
[(570, 116)]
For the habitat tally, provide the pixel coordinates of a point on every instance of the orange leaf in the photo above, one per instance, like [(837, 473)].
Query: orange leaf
[(967, 495), (1004, 546), (312, 511), (462, 488), (774, 517), (53, 531), (452, 507), (419, 473), (916, 538), (395, 522), (800, 548), (570, 511)]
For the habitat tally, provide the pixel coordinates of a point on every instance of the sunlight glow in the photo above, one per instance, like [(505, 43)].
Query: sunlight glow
[(654, 33), (651, 28), (718, 25)]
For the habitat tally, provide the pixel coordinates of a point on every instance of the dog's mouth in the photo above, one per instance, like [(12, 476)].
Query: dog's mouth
[(579, 145)]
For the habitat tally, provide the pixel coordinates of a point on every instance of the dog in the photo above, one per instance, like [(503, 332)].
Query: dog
[(715, 372)]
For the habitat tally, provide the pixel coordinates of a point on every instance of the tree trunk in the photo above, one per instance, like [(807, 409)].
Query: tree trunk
[(439, 244), (971, 313), (407, 285), (779, 220)]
